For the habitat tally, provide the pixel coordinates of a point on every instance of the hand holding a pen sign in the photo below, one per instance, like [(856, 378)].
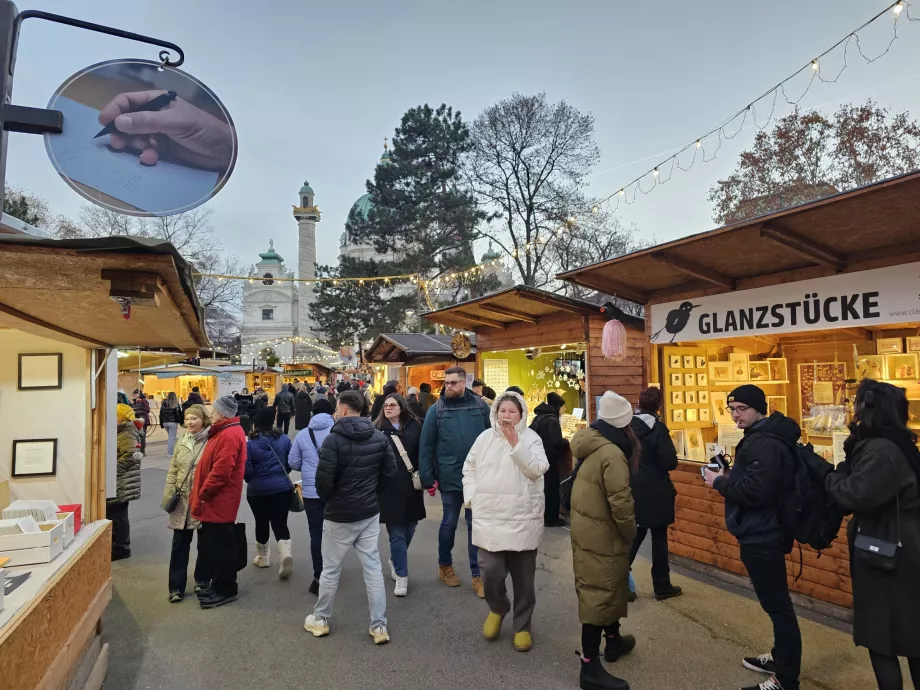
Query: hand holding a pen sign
[(172, 129)]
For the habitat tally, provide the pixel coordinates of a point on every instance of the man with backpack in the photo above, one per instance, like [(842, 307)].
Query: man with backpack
[(755, 490), (451, 426)]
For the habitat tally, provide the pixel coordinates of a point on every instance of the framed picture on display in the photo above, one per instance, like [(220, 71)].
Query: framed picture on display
[(677, 380), (691, 414), (41, 372), (689, 379), (674, 361), (739, 363), (902, 367), (677, 438), (703, 397), (700, 362), (720, 411), (688, 361), (759, 371), (871, 367), (695, 448), (913, 344), (720, 372), (913, 413), (677, 416), (778, 369), (776, 403), (677, 397), (889, 346), (690, 398), (35, 457), (704, 414)]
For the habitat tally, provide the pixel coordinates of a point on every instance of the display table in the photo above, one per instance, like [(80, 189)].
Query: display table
[(50, 624)]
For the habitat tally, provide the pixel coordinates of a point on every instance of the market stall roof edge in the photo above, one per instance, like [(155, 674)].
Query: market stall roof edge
[(409, 347)]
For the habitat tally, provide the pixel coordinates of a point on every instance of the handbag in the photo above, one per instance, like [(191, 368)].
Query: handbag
[(297, 505), (416, 478), (878, 553), (171, 503)]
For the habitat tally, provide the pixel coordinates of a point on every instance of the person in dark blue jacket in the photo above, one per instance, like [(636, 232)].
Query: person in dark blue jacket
[(269, 489)]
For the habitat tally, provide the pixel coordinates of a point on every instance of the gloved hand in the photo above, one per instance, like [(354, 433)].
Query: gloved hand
[(433, 489)]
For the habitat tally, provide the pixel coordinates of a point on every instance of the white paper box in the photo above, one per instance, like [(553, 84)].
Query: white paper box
[(41, 554), (68, 520), (51, 537), (41, 510)]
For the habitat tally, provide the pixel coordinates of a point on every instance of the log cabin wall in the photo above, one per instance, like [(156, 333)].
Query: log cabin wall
[(551, 330), (627, 377)]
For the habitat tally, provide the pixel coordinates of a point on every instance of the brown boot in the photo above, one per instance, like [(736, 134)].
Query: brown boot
[(477, 587), (448, 576)]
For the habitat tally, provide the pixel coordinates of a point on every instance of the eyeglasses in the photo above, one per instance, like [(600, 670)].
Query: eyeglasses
[(740, 409), (453, 383), (391, 406)]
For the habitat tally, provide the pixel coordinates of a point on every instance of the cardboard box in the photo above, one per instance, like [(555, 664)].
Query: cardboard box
[(40, 547), (68, 520), (77, 511)]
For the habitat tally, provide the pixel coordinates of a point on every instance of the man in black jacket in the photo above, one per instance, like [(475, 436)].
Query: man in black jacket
[(755, 487), (284, 403), (354, 460), (547, 425)]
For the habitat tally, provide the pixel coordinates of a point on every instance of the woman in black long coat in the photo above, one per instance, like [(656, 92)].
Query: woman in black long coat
[(401, 504), (303, 408), (653, 491), (878, 483)]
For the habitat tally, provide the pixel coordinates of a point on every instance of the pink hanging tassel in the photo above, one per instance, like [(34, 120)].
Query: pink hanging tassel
[(613, 341)]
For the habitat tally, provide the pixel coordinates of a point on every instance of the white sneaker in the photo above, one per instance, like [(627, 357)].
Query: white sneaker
[(392, 569), (318, 627), (402, 586), (286, 558), (263, 557), (380, 634)]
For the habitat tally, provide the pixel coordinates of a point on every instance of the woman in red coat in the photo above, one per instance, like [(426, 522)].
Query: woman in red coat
[(216, 500)]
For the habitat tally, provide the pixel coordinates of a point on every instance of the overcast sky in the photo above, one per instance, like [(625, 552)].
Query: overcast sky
[(314, 87)]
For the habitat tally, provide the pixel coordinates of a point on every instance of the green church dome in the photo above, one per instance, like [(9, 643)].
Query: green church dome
[(490, 255), (363, 206), (306, 189), (271, 254)]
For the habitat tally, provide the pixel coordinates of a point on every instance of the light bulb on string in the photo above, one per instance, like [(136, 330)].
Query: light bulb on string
[(897, 8), (699, 144), (655, 172), (815, 65)]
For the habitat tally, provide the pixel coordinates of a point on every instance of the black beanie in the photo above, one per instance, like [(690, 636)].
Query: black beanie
[(264, 419), (750, 395), (555, 400)]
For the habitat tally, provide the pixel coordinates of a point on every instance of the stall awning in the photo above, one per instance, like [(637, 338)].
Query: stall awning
[(872, 223), (65, 289), (407, 347), (171, 371), (518, 304)]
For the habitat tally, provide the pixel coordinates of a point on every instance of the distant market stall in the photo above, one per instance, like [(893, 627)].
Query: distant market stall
[(305, 372), (805, 303), (416, 358), (65, 305)]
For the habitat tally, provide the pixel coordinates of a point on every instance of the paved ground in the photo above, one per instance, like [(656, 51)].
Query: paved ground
[(694, 642)]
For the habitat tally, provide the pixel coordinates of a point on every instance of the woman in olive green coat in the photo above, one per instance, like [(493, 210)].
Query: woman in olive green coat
[(603, 527)]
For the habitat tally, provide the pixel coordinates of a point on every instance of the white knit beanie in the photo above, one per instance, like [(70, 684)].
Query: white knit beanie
[(615, 410)]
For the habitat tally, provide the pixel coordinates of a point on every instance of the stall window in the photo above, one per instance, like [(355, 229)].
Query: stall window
[(268, 314)]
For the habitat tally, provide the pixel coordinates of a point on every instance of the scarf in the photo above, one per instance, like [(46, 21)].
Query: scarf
[(616, 436), (901, 437)]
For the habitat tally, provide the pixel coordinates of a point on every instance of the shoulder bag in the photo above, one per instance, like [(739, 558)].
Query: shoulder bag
[(171, 503), (879, 553), (416, 478), (297, 505)]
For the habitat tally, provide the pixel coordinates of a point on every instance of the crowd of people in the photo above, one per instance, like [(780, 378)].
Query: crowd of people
[(364, 464)]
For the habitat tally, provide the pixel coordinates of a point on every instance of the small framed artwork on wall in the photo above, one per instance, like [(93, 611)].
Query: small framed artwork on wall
[(677, 397), (889, 346), (759, 371), (704, 414), (688, 361), (677, 416), (674, 361), (778, 369), (691, 414), (720, 372), (703, 397), (739, 363), (677, 379), (902, 367), (913, 344), (702, 379), (41, 372), (689, 379), (690, 397), (776, 403)]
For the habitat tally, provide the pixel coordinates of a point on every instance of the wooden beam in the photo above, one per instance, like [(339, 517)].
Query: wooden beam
[(606, 285), (513, 313), (385, 357), (695, 270), (28, 318), (473, 318), (858, 332), (549, 302), (804, 247)]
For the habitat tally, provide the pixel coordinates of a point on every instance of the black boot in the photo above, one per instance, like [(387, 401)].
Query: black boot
[(668, 591), (617, 646), (595, 677)]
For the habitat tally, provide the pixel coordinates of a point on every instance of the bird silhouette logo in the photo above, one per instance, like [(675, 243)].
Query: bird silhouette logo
[(677, 320)]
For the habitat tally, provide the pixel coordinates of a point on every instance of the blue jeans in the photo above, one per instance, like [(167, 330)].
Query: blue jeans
[(171, 429), (452, 501), (400, 537), (338, 540)]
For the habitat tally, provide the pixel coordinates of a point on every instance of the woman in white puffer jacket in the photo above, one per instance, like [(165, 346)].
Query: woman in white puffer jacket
[(503, 484)]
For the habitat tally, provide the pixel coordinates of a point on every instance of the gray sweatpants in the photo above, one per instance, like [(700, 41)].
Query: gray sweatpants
[(495, 566)]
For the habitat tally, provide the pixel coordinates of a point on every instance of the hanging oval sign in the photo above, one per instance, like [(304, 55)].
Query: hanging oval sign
[(141, 139), (460, 345)]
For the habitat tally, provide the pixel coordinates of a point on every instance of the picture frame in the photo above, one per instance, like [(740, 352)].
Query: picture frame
[(689, 379), (677, 397), (913, 413), (677, 416), (776, 403), (700, 362), (695, 450), (739, 364), (690, 398), (913, 344), (690, 414), (702, 379), (871, 367), (674, 361), (759, 371), (719, 401), (41, 371), (720, 372), (688, 361), (704, 414), (779, 369), (703, 397), (35, 457), (677, 438), (889, 346), (902, 367), (677, 380)]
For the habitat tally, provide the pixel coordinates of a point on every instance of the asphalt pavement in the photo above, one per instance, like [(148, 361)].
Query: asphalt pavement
[(694, 642)]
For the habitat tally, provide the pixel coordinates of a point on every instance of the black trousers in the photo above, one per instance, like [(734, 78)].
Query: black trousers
[(271, 510), (591, 638), (888, 671), (551, 493), (314, 510), (178, 560), (121, 526), (766, 566), (217, 556), (661, 569), (246, 423), (284, 421)]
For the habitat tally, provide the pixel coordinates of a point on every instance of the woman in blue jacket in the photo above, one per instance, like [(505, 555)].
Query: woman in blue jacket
[(269, 489), (305, 458)]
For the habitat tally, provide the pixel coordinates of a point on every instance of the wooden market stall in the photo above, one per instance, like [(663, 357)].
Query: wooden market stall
[(542, 342), (64, 308), (805, 303), (305, 372), (416, 358)]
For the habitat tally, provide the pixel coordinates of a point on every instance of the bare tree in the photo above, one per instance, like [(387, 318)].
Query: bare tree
[(528, 167)]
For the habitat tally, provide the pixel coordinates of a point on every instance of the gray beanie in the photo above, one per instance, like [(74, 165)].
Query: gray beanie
[(226, 406)]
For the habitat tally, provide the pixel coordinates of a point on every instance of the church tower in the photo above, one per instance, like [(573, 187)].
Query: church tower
[(307, 215)]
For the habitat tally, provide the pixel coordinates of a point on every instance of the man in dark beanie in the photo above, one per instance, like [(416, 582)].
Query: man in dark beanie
[(754, 489), (546, 424)]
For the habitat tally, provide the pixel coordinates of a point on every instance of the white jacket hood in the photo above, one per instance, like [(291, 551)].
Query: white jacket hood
[(504, 486)]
